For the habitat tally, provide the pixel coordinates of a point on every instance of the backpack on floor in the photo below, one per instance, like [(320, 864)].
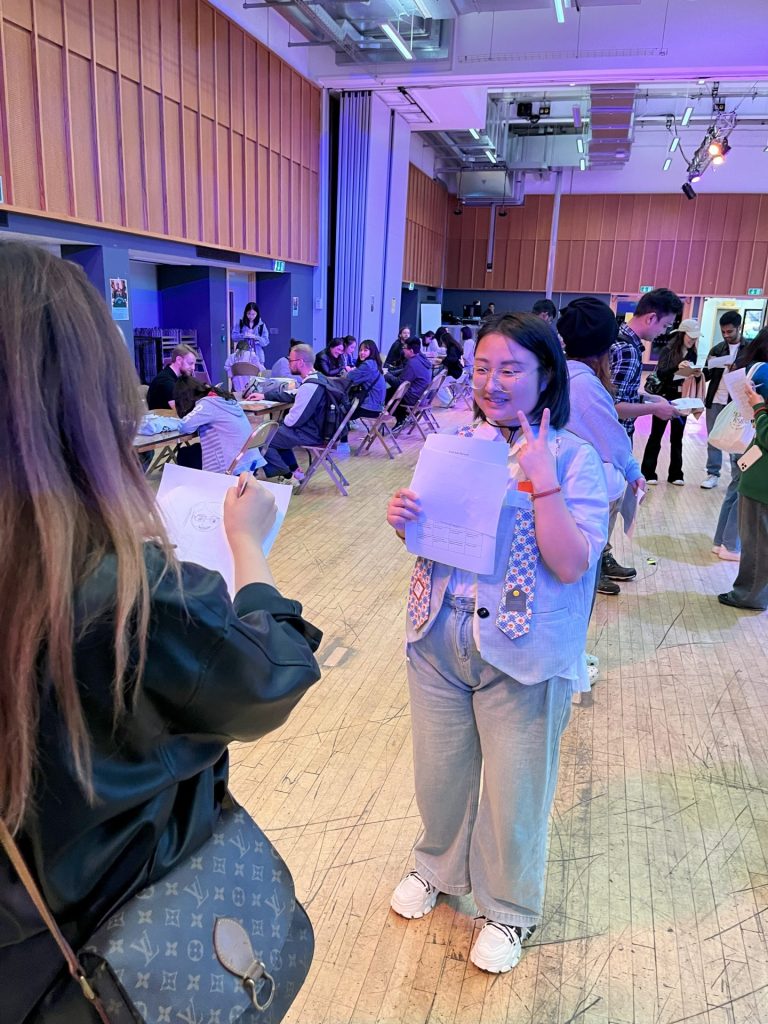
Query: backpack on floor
[(337, 403)]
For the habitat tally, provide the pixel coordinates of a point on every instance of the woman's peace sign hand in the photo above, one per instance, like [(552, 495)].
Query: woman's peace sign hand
[(534, 456)]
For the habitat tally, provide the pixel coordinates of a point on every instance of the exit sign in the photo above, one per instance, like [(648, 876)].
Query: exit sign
[(279, 266), (754, 291), (646, 288)]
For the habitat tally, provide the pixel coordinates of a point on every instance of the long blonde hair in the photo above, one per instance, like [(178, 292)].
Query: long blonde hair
[(71, 492)]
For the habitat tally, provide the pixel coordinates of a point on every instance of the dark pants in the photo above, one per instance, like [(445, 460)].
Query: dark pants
[(750, 588), (280, 458), (191, 456), (652, 448)]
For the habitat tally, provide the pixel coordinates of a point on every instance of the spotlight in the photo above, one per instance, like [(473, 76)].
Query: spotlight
[(503, 212), (458, 211), (715, 149), (688, 190), (695, 176)]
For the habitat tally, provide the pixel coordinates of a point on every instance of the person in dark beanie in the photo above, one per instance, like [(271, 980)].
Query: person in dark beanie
[(588, 328)]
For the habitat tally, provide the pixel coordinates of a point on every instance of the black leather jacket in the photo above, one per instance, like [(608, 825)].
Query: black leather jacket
[(215, 672)]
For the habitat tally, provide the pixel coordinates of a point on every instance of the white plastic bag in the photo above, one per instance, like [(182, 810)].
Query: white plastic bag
[(730, 431)]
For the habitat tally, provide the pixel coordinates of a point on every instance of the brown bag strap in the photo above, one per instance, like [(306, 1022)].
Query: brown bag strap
[(73, 964)]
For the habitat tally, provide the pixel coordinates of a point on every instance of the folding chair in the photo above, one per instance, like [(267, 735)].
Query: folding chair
[(381, 428), (261, 438), (461, 389), (244, 369), (323, 456), (421, 412)]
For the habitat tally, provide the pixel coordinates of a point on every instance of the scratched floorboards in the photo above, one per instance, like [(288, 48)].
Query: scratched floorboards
[(657, 890)]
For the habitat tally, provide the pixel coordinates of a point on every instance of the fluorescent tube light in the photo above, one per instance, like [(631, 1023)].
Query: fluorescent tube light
[(474, 134), (422, 8), (667, 164), (580, 145), (582, 164), (559, 11), (490, 156), (686, 116), (674, 144), (397, 39)]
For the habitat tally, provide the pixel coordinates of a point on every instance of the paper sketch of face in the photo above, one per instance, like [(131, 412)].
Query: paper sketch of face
[(204, 516)]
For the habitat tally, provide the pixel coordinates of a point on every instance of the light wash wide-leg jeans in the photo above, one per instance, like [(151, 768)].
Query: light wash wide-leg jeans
[(471, 721)]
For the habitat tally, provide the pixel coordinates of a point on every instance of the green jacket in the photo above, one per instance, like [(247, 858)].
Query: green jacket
[(754, 481)]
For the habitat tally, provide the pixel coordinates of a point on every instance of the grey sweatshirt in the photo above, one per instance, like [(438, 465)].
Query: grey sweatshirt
[(224, 428)]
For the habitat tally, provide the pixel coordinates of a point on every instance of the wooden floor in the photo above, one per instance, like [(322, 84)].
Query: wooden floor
[(657, 888)]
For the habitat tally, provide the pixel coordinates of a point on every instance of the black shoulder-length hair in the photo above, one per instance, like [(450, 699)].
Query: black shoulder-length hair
[(533, 334), (373, 352)]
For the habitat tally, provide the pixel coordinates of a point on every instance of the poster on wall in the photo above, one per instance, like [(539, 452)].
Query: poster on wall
[(118, 287)]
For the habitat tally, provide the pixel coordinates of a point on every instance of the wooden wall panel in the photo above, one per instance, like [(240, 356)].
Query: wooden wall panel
[(153, 111), (426, 229), (716, 245)]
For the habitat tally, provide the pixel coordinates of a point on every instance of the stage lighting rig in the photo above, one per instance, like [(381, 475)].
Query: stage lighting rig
[(714, 148)]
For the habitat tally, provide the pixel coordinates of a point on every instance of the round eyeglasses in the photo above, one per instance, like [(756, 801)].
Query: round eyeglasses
[(505, 378)]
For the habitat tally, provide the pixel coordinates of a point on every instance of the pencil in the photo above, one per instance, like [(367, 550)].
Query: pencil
[(242, 483)]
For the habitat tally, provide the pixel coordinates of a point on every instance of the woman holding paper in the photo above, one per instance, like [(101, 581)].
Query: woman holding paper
[(726, 543), (750, 588), (494, 659), (679, 355), (124, 674)]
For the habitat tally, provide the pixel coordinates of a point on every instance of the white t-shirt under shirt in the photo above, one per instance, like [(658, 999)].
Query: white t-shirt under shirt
[(721, 395)]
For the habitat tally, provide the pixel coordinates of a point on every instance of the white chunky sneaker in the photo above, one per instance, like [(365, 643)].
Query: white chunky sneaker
[(710, 482), (498, 947), (414, 897)]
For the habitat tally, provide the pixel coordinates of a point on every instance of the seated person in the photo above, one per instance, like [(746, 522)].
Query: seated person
[(303, 424), (394, 360), (160, 395), (221, 423), (367, 382), (429, 344), (182, 364), (330, 361), (453, 353), (468, 348), (281, 367), (242, 354), (350, 351), (417, 371)]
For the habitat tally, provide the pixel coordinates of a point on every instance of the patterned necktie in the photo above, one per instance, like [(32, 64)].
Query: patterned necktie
[(516, 605), (420, 591)]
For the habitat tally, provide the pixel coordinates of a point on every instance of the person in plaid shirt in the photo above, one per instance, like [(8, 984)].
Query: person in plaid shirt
[(655, 311)]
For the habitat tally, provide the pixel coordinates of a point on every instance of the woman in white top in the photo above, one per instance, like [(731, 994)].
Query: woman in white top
[(221, 423), (253, 330), (493, 659)]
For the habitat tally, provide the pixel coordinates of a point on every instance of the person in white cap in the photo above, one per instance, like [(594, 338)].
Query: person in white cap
[(679, 352)]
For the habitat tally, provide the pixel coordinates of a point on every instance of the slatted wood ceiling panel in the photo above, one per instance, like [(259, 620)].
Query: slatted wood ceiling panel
[(161, 117)]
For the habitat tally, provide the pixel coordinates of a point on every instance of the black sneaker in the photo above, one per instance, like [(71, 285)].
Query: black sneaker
[(606, 586), (614, 571)]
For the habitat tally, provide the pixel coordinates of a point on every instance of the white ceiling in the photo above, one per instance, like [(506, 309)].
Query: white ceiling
[(664, 47)]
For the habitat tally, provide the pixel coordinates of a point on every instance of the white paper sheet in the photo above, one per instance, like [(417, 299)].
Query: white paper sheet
[(720, 362), (628, 508), (736, 382), (192, 503), (461, 482)]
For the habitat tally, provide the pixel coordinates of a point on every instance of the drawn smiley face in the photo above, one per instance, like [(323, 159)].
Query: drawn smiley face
[(204, 516)]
